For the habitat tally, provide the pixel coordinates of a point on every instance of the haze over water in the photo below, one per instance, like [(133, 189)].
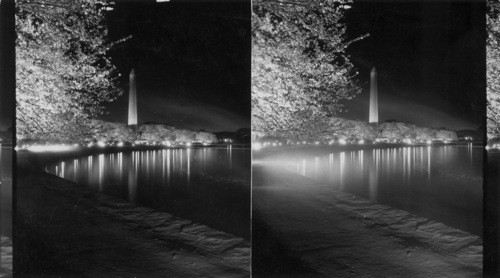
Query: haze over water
[(442, 183)]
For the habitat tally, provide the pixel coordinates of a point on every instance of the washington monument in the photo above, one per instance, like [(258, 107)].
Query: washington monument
[(132, 100), (373, 97)]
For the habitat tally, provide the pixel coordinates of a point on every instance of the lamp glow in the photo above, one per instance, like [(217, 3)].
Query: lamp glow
[(167, 143), (257, 146), (50, 148)]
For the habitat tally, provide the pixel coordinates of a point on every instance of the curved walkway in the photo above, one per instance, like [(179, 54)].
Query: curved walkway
[(341, 235)]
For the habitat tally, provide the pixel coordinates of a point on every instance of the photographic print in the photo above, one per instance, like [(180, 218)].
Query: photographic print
[(239, 138), (368, 138), (133, 138)]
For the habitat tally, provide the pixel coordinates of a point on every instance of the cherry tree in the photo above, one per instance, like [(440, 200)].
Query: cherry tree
[(300, 69), (63, 72), (493, 68)]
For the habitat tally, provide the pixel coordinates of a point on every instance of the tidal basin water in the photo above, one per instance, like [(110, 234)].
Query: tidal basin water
[(210, 186), (6, 189), (442, 183)]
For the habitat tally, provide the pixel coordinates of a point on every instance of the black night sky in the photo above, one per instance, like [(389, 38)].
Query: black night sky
[(192, 62), (429, 57), (7, 66)]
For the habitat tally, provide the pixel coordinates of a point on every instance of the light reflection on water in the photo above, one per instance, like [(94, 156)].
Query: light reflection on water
[(443, 183), (207, 185)]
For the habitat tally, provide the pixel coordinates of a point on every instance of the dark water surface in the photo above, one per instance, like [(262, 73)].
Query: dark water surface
[(492, 217), (442, 183), (207, 185), (6, 189)]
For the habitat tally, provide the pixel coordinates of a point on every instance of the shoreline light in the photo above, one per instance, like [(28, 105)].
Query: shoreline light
[(167, 143), (257, 146), (50, 148)]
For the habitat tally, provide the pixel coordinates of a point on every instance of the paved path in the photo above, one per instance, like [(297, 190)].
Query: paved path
[(339, 235), (66, 231)]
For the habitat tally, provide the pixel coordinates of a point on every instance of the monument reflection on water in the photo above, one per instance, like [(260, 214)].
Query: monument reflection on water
[(207, 185), (442, 183)]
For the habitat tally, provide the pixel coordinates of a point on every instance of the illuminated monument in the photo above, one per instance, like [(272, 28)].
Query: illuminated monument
[(373, 97), (132, 100)]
